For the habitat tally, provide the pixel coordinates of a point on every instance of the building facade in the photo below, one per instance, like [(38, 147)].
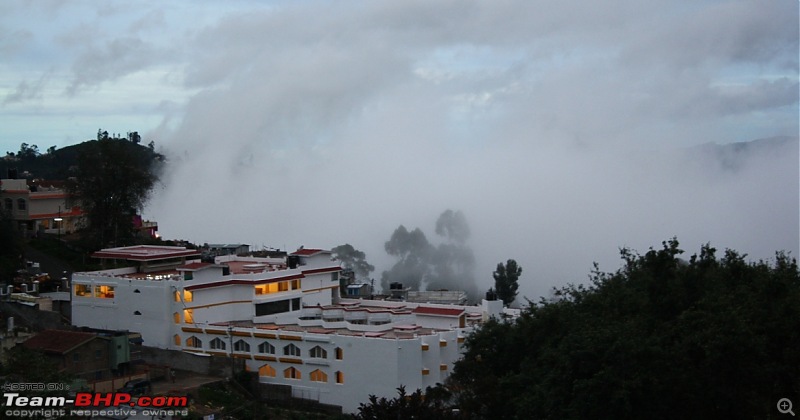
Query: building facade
[(42, 206), (283, 316)]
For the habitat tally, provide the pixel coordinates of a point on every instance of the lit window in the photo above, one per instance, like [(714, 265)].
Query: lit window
[(241, 345), (187, 296), (318, 352), (104, 291), (339, 377), (283, 286), (177, 339), (267, 370), (296, 284), (291, 350), (339, 353), (177, 296), (266, 347), (84, 290), (188, 316), (291, 373), (318, 376), (194, 342), (217, 344), (176, 317)]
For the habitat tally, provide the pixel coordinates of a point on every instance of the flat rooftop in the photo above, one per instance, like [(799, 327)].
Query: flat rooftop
[(146, 253)]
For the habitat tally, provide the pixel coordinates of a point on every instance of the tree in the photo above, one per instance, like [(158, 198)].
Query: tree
[(506, 281), (353, 259), (421, 264), (112, 181), (413, 252), (430, 405), (662, 338), (11, 247)]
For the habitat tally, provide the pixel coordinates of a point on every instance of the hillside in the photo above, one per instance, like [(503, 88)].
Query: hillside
[(56, 164)]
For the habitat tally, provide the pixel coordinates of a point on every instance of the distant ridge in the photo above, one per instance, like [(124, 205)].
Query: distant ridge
[(732, 156)]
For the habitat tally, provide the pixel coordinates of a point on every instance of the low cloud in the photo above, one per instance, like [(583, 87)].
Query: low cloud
[(562, 132)]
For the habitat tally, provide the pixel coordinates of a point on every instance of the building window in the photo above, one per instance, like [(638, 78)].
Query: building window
[(177, 296), (76, 358), (291, 373), (188, 316), (84, 290), (176, 339), (318, 376), (269, 308), (104, 291), (266, 347), (98, 354), (335, 276), (217, 344), (267, 370), (194, 342), (176, 317), (137, 313), (339, 377), (187, 275), (318, 352), (187, 296), (291, 350), (9, 204), (280, 286), (242, 346), (339, 353), (21, 205)]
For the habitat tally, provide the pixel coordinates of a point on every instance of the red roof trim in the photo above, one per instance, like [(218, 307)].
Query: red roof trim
[(39, 196), (308, 252), (323, 270), (427, 310), (72, 213)]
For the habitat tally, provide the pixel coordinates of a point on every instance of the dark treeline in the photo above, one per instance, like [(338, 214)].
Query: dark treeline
[(660, 338)]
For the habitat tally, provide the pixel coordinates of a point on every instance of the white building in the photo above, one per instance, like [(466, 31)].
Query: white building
[(283, 316)]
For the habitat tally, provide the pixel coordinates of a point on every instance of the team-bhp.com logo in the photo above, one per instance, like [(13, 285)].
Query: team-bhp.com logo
[(89, 404)]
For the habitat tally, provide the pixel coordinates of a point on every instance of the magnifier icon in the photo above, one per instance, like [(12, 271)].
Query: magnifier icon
[(785, 406)]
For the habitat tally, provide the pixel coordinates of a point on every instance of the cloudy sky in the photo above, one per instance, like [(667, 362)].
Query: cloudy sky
[(563, 130)]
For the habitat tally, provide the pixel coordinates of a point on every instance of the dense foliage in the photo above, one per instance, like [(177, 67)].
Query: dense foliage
[(506, 281), (660, 338), (112, 181), (430, 405)]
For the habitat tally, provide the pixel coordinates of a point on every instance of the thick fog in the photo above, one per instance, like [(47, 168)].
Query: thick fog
[(561, 131)]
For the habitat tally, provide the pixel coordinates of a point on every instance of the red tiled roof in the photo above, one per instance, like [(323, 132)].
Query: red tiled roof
[(308, 251), (428, 310), (57, 341)]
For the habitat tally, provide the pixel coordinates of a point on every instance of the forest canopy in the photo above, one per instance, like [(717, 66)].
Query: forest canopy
[(662, 337)]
